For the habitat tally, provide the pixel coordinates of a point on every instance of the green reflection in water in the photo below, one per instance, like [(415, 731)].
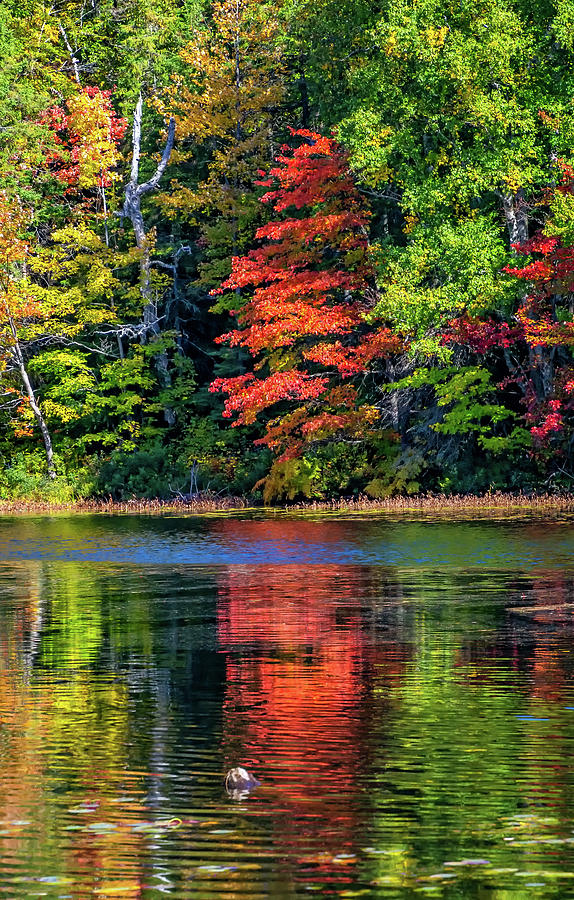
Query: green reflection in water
[(474, 795)]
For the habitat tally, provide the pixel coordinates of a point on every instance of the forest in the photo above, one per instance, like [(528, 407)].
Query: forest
[(300, 249)]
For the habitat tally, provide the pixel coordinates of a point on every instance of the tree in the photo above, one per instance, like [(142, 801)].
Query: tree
[(58, 291), (20, 312), (447, 132), (530, 355), (226, 103), (545, 318), (307, 322)]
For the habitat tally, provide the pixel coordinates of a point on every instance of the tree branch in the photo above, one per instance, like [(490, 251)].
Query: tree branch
[(71, 52), (153, 182), (136, 142)]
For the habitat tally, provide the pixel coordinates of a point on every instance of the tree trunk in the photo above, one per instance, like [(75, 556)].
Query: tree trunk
[(516, 215), (132, 210), (38, 415), (304, 95)]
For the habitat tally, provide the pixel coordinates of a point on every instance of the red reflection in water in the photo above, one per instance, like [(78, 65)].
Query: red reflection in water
[(280, 535), (298, 664), (553, 608)]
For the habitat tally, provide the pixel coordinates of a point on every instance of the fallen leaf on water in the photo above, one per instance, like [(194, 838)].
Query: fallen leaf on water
[(216, 870), (469, 862), (119, 889), (440, 876), (86, 806), (502, 871)]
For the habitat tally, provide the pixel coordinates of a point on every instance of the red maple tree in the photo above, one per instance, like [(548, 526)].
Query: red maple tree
[(311, 289), (547, 331), (542, 334)]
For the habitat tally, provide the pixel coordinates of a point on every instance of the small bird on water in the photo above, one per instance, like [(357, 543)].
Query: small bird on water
[(239, 783)]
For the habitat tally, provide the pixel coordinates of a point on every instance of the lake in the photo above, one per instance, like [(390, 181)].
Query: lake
[(402, 687)]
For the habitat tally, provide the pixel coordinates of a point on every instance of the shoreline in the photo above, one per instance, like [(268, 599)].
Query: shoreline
[(495, 503)]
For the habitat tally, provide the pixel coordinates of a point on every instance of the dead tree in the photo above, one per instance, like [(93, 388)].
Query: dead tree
[(131, 210)]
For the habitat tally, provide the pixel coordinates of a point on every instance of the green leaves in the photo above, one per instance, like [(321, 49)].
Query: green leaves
[(467, 399)]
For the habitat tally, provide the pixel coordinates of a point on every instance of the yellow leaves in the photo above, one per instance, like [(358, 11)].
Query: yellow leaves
[(442, 159), (378, 139), (234, 74), (47, 32), (80, 236), (19, 304), (226, 100), (13, 220), (405, 43), (90, 118), (63, 412), (410, 222), (392, 44), (435, 37), (515, 178)]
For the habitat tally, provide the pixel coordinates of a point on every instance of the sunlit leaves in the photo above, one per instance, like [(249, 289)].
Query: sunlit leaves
[(306, 319), (88, 132), (225, 103)]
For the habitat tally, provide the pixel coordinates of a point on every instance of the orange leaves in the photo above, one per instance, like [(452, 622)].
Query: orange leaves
[(308, 280), (353, 360), (550, 275), (540, 330), (315, 172), (250, 396), (296, 294), (554, 270), (310, 229)]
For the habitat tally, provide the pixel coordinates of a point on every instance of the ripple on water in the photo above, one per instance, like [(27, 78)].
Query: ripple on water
[(412, 724)]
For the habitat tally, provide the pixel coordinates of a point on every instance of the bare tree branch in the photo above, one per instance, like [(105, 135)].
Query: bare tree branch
[(153, 182), (71, 52)]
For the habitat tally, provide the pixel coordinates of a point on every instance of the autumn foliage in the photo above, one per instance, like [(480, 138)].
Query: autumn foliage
[(310, 287), (381, 305), (86, 132), (540, 335)]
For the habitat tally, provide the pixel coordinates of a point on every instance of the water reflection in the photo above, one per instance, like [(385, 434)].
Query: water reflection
[(298, 665), (253, 540), (413, 729)]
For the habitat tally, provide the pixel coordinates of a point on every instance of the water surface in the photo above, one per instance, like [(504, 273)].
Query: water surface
[(402, 688)]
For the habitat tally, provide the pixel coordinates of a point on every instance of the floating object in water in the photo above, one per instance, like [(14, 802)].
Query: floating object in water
[(239, 783)]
